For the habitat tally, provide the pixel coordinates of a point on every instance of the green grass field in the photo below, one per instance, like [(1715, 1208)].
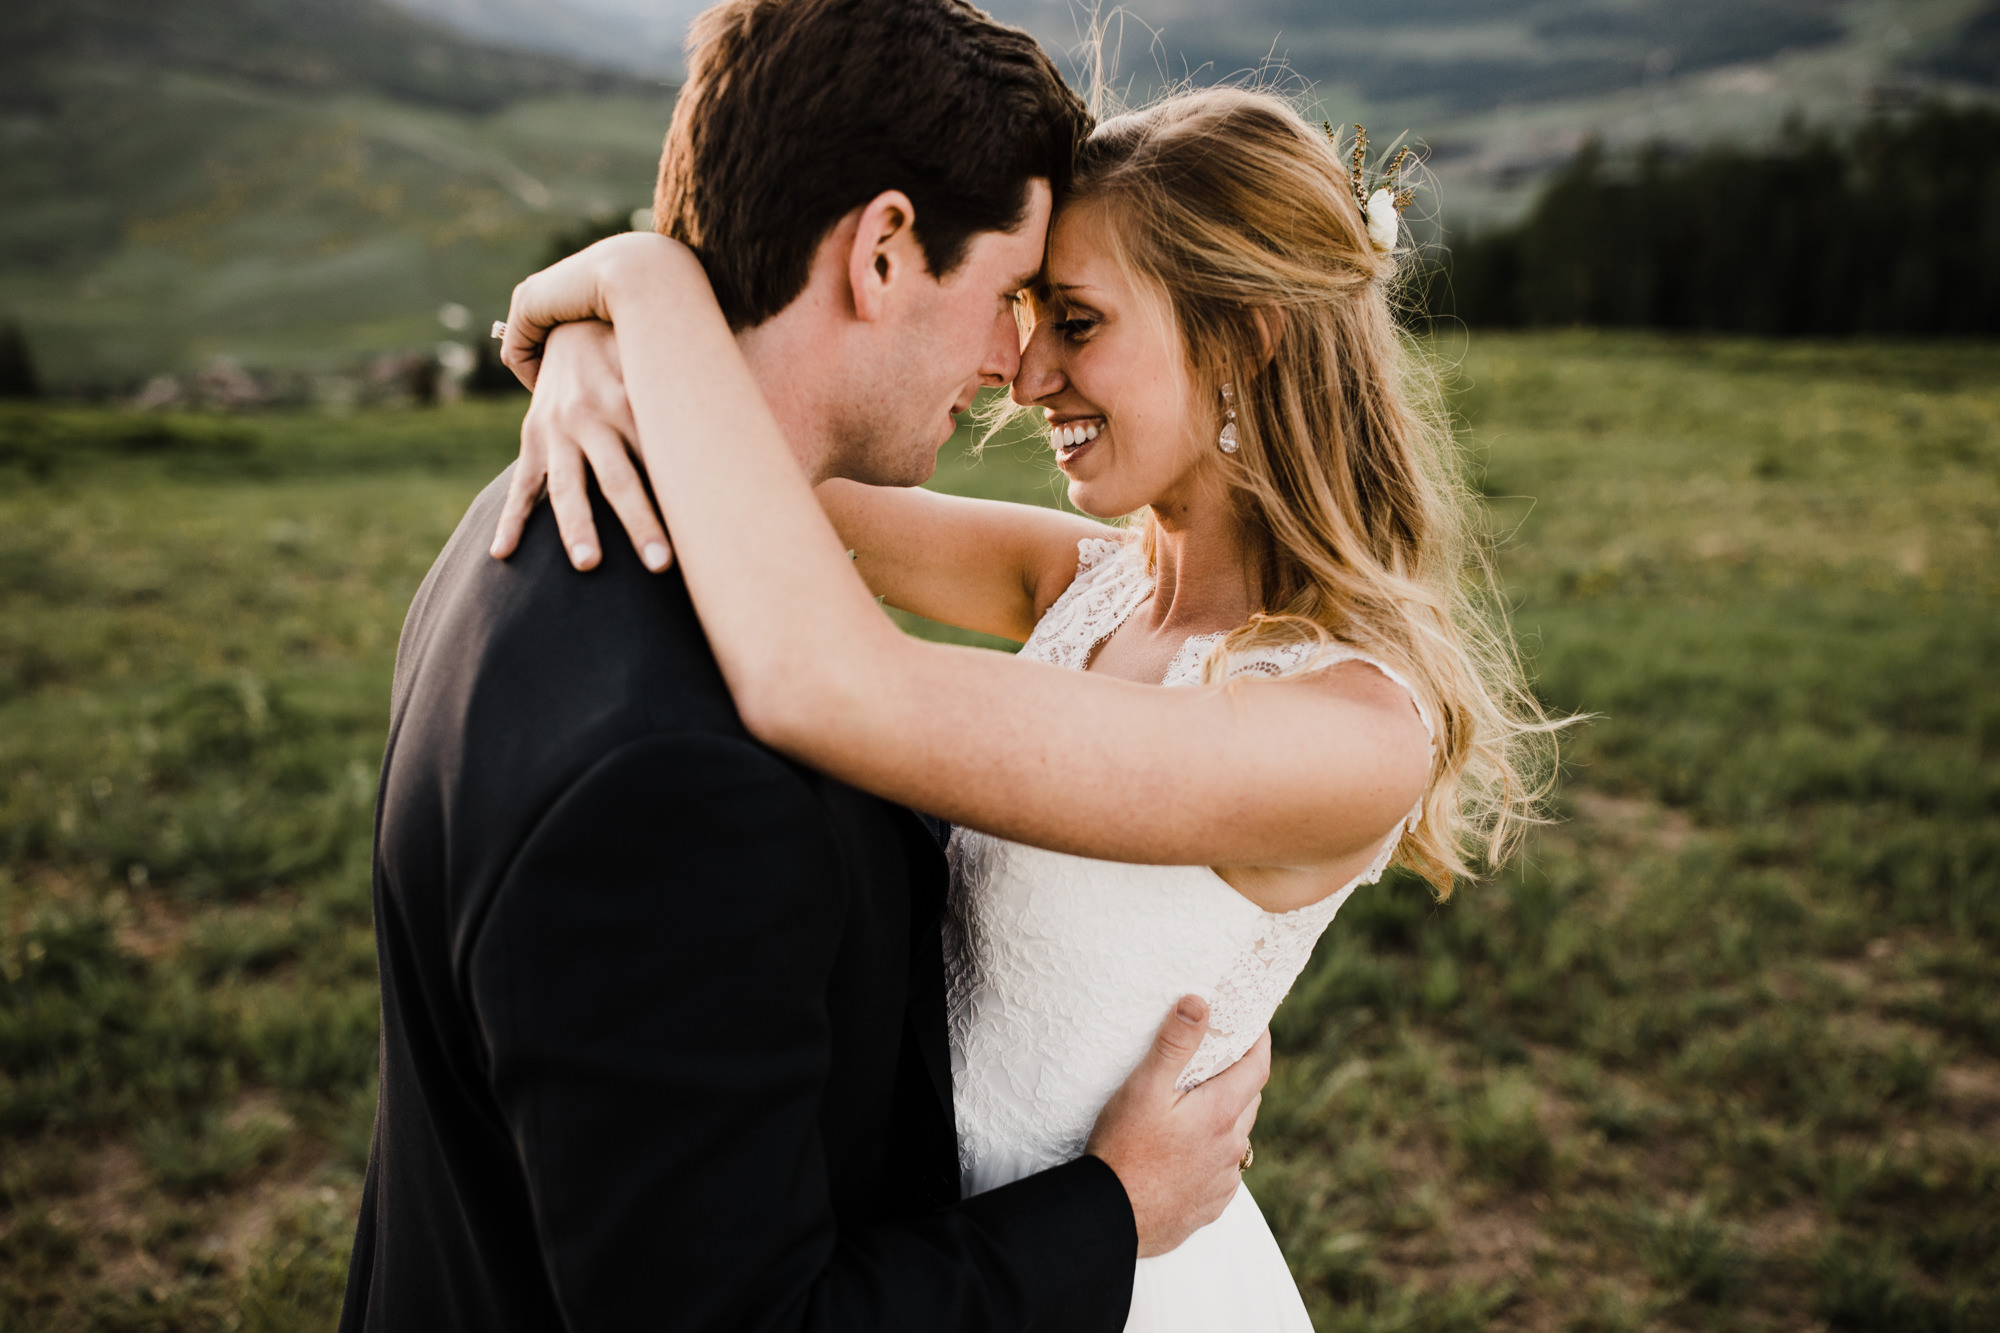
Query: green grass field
[(1721, 1051)]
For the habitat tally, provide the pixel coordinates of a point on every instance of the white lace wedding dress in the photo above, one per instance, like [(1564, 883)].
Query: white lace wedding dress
[(1062, 968)]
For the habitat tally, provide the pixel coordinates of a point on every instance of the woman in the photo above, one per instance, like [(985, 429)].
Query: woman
[(1213, 350)]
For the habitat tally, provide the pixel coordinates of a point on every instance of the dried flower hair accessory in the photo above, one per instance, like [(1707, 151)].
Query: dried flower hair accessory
[(1384, 220), (1381, 207)]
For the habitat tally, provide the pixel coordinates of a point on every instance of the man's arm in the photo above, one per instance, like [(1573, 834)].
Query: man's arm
[(650, 985)]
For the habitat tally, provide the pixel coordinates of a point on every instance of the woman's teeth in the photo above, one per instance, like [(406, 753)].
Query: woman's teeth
[(1082, 432)]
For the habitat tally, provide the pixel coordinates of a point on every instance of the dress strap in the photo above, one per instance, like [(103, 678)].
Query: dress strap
[(1110, 582)]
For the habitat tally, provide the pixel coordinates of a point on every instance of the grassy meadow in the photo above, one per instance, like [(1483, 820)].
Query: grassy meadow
[(1721, 1050)]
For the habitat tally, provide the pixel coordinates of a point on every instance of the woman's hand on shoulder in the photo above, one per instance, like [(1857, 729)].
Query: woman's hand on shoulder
[(580, 423), (561, 344)]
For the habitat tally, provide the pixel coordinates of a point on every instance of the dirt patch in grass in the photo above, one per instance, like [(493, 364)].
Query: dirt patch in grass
[(133, 1242), (1632, 820), (149, 926), (1971, 1087)]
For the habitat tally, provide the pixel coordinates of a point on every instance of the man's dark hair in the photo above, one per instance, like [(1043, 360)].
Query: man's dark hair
[(797, 111)]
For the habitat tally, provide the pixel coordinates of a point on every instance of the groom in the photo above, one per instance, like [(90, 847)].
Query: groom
[(663, 1029)]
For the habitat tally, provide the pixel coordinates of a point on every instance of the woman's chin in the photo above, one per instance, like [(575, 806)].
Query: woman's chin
[(1093, 500)]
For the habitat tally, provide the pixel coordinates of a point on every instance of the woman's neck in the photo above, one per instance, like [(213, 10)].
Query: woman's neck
[(1203, 577)]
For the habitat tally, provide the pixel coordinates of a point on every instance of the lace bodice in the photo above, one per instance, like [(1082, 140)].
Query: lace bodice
[(1061, 967)]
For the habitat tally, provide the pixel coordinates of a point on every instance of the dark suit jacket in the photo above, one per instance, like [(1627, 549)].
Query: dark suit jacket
[(663, 1034)]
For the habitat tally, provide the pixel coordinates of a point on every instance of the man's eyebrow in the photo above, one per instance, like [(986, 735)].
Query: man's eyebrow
[(1027, 282)]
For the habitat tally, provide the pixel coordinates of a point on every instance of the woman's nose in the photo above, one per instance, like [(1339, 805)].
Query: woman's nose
[(1041, 374)]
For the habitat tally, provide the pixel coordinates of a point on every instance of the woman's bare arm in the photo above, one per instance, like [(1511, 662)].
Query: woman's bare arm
[(984, 565), (1307, 773)]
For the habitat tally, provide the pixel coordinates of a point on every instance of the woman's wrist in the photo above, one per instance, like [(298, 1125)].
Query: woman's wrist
[(650, 267)]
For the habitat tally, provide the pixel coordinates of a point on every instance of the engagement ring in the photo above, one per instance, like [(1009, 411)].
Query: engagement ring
[(1249, 1156), (499, 329)]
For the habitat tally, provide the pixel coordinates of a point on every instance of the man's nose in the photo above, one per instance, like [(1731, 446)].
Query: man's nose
[(1003, 356)]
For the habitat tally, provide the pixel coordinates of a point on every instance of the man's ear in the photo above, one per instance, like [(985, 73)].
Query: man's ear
[(884, 252)]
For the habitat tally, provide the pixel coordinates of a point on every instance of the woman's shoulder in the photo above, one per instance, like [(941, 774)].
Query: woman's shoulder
[(1306, 658)]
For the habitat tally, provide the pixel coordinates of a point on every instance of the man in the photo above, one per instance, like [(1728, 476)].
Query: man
[(663, 1031)]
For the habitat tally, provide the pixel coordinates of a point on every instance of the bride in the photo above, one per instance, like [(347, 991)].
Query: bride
[(1213, 351)]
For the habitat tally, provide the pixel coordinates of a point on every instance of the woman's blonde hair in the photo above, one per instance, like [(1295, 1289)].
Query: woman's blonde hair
[(1246, 217)]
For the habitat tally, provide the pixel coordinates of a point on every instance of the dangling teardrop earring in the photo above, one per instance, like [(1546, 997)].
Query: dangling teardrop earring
[(1228, 440)]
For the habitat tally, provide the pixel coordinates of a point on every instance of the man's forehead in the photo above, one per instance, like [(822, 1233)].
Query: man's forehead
[(1021, 254), (1014, 258), (1033, 233)]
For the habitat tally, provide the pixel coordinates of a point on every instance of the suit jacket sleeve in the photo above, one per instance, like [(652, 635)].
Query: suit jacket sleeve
[(649, 985)]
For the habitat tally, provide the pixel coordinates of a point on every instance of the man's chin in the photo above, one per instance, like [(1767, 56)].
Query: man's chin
[(896, 472), (918, 473)]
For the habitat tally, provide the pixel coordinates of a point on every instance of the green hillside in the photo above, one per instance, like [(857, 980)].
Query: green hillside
[(313, 44), (300, 185), (290, 184)]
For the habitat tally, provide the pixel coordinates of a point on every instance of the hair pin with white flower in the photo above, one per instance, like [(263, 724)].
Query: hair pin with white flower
[(1382, 206)]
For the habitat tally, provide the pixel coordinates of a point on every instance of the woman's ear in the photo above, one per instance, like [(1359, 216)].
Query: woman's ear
[(884, 252), (1269, 326)]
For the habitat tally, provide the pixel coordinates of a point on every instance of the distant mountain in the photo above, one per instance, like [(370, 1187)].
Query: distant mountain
[(1467, 55), (286, 183), (1451, 56), (1502, 91), (1975, 56), (297, 44), (643, 36)]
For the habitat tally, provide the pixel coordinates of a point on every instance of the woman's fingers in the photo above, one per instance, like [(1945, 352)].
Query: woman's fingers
[(530, 470), (569, 496), (578, 424), (522, 493), (611, 460)]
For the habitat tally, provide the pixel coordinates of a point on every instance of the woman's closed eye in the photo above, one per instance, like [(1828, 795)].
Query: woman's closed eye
[(1076, 328)]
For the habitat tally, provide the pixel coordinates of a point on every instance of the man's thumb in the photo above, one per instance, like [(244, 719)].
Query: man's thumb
[(1179, 1037)]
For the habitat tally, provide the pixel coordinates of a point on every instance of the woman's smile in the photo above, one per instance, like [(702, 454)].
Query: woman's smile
[(1072, 435)]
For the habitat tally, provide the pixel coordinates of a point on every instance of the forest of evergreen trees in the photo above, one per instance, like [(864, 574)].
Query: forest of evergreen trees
[(1894, 229)]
